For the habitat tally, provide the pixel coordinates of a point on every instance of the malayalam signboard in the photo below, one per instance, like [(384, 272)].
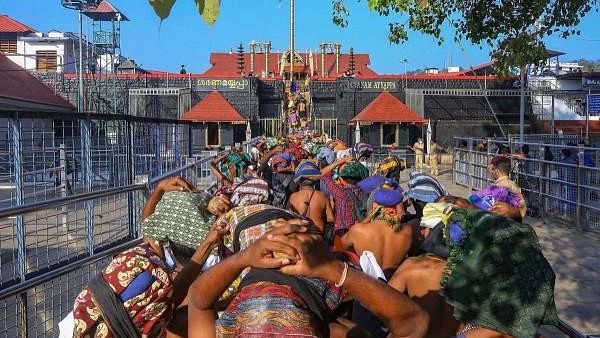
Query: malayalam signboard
[(594, 104), (590, 81), (223, 84)]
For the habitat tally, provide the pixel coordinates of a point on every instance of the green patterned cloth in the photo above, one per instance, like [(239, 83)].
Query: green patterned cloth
[(354, 170), (497, 276), (180, 217)]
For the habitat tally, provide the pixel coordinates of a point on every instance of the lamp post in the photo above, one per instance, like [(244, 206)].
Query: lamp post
[(292, 35), (405, 62)]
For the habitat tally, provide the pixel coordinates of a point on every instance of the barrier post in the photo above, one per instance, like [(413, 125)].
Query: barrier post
[(454, 156), (471, 169), (62, 179), (132, 211), (578, 197), (86, 159), (489, 156), (157, 159), (21, 261), (541, 185)]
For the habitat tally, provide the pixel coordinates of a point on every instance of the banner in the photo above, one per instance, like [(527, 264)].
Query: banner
[(594, 104), (222, 84), (587, 81)]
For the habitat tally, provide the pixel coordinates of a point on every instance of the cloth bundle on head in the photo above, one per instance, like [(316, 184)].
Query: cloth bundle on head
[(434, 213), (389, 194), (354, 170), (239, 161), (272, 142), (340, 154), (362, 150), (391, 166), (424, 188), (315, 149), (307, 147), (307, 170), (485, 198), (180, 217), (282, 163), (339, 146), (253, 191), (246, 224), (297, 151), (496, 275), (326, 155), (372, 182)]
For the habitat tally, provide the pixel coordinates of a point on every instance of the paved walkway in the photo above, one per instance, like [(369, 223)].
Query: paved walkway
[(575, 258)]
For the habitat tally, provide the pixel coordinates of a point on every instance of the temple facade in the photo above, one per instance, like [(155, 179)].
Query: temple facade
[(254, 93)]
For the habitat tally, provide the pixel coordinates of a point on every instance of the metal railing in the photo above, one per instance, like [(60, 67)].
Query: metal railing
[(73, 186), (558, 180)]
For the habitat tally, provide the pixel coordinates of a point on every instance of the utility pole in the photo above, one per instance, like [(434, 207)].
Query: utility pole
[(80, 102), (292, 34), (405, 62), (522, 107)]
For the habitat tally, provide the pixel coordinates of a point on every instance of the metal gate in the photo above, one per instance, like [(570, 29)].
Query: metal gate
[(270, 127), (326, 126)]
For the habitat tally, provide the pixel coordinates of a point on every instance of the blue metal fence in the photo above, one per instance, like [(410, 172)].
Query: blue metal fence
[(71, 191), (553, 184)]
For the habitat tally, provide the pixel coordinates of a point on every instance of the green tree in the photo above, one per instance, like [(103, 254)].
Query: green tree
[(513, 29)]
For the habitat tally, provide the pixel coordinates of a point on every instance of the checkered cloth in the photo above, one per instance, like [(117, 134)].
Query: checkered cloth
[(253, 191), (180, 217), (241, 234), (497, 276)]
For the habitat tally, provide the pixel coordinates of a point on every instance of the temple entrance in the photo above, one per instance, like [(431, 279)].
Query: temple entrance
[(239, 132)]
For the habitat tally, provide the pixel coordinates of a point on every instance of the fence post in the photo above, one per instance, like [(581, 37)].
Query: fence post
[(176, 149), (471, 163), (157, 159), (132, 211), (190, 141), (580, 159), (541, 176), (454, 156), (21, 263), (62, 179), (86, 164)]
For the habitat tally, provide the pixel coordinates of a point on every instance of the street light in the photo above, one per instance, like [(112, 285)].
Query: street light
[(405, 62)]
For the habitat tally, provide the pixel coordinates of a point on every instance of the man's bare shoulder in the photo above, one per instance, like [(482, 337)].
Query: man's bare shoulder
[(422, 264)]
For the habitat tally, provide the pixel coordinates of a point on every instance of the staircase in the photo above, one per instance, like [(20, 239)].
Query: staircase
[(566, 103)]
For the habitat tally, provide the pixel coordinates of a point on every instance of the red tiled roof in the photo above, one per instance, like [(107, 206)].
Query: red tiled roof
[(21, 91), (226, 64), (10, 25), (213, 108), (105, 11), (386, 108), (571, 126)]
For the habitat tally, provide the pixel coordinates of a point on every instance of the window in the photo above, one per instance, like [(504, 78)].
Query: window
[(8, 46), (46, 61), (389, 134), (213, 136)]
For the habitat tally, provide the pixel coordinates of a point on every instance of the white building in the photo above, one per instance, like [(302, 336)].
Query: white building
[(35, 51)]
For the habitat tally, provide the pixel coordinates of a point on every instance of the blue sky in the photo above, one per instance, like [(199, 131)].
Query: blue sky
[(184, 38)]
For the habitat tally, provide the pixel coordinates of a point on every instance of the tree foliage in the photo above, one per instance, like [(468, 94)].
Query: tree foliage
[(208, 9), (513, 29)]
